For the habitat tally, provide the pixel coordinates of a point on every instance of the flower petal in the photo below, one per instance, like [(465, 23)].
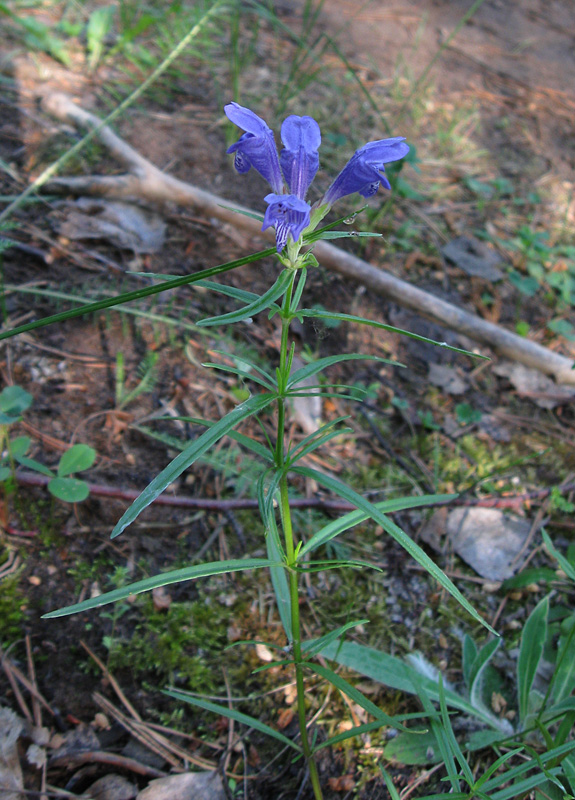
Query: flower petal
[(288, 214), (364, 172), (256, 147), (299, 159)]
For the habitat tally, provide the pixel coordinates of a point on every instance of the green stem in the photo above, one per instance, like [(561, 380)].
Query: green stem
[(283, 374)]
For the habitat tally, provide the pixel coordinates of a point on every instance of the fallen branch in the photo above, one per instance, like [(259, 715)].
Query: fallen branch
[(146, 182), (240, 503)]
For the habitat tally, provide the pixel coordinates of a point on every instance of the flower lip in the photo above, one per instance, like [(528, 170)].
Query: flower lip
[(363, 172), (299, 158), (288, 214), (256, 147)]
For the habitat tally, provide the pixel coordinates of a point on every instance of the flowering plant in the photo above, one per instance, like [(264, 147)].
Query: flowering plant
[(288, 555), (289, 212)]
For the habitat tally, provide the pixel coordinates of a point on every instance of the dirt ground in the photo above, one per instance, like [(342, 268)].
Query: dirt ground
[(515, 63)]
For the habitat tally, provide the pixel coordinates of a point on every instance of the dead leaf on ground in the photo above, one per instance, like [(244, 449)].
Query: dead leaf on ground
[(11, 781), (123, 225), (447, 378), (112, 787), (474, 258), (531, 383), (188, 786)]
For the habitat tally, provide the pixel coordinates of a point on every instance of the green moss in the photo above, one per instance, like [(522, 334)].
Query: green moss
[(12, 607), (180, 646)]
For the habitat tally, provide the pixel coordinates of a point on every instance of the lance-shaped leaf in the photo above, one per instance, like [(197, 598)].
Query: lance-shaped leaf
[(308, 370), (347, 521), (414, 550), (164, 579), (186, 458), (137, 294), (232, 713), (332, 315), (530, 653), (261, 304)]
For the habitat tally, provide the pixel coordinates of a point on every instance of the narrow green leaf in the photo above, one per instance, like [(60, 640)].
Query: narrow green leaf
[(127, 297), (345, 235), (317, 314), (259, 305), (453, 744), (316, 645), (231, 713), (353, 693), (164, 579), (393, 793), (477, 668), (278, 575), (320, 441), (222, 288), (186, 458), (70, 490), (78, 458), (179, 444), (241, 373), (565, 565), (402, 538), (347, 521), (530, 652), (308, 370)]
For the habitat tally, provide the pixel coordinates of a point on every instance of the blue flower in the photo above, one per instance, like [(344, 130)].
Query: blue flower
[(256, 148), (363, 172), (289, 214), (299, 163), (299, 159)]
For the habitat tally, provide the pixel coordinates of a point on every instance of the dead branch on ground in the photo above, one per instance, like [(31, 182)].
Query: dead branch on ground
[(145, 182)]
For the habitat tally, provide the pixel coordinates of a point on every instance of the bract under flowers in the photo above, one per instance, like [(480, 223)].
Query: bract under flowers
[(289, 212)]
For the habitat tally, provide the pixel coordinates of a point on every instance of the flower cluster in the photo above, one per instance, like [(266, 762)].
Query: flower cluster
[(298, 163)]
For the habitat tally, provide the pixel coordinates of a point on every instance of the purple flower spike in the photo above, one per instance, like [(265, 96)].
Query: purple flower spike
[(289, 214), (256, 148), (299, 159), (363, 172)]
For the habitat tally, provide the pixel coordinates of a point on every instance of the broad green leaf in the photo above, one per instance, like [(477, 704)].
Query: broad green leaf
[(353, 693), (344, 523), (138, 294), (398, 674), (14, 401), (78, 458), (477, 669), (331, 315), (527, 577), (164, 579), (413, 749), (5, 473), (186, 458), (231, 713), (19, 446), (259, 305), (469, 654), (316, 645), (565, 565), (400, 536), (308, 370), (564, 675), (36, 466), (70, 490), (533, 641)]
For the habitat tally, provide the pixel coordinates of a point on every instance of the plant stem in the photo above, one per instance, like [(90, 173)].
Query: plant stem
[(283, 374)]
